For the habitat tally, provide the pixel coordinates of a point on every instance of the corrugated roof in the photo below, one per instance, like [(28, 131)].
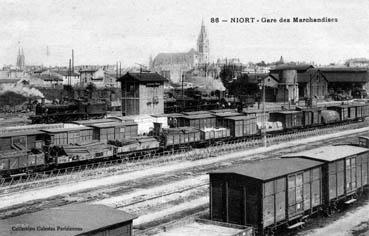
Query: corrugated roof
[(270, 169), (82, 216), (330, 153), (143, 77)]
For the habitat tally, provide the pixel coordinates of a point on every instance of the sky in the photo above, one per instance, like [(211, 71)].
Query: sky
[(130, 31)]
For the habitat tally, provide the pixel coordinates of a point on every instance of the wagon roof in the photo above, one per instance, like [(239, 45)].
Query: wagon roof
[(286, 112), (270, 169), (240, 117), (199, 116), (59, 130), (106, 125), (78, 215), (20, 133), (329, 153), (225, 114)]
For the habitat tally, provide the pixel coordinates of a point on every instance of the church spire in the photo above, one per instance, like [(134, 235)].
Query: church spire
[(203, 44)]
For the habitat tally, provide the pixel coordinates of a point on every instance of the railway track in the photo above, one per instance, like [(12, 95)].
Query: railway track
[(139, 191), (124, 165)]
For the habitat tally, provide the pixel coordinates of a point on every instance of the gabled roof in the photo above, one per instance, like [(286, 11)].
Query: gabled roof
[(270, 169), (329, 153), (143, 77)]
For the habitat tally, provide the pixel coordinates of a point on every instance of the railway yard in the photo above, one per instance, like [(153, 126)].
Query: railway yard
[(169, 189)]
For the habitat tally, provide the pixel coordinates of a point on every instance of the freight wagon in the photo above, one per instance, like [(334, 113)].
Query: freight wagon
[(241, 126), (266, 194), (282, 193), (289, 119), (199, 121), (345, 171)]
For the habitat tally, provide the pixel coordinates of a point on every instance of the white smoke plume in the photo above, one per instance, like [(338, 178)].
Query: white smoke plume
[(208, 83), (20, 89)]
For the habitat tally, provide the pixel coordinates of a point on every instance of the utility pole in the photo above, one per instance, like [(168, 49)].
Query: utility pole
[(264, 123)]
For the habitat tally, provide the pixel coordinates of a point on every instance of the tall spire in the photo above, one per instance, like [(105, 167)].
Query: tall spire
[(203, 44)]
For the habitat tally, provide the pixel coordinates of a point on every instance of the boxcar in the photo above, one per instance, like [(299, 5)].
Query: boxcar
[(108, 131), (200, 121), (220, 117), (241, 126), (345, 170), (311, 116), (266, 194), (289, 119), (66, 136)]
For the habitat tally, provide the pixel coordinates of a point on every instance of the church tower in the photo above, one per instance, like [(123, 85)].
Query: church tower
[(203, 45)]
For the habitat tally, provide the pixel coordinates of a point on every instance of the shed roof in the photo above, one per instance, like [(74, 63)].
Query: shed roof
[(143, 77), (270, 169), (329, 153), (76, 215), (59, 130)]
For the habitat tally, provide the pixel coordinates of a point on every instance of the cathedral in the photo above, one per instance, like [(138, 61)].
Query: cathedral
[(173, 66)]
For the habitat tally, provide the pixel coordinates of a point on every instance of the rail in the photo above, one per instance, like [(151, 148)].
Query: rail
[(124, 165)]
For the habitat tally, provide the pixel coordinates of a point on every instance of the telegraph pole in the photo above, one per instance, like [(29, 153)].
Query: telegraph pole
[(264, 123)]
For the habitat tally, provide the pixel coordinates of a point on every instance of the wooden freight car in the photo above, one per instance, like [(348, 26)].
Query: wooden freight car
[(362, 111), (311, 116), (241, 126), (220, 117), (289, 119), (66, 136), (21, 140), (199, 121), (345, 171), (266, 194), (180, 136), (15, 161)]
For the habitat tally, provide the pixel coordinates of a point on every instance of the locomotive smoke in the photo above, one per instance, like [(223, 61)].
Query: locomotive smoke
[(21, 89)]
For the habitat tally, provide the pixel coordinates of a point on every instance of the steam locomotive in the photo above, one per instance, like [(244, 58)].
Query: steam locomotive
[(69, 111)]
